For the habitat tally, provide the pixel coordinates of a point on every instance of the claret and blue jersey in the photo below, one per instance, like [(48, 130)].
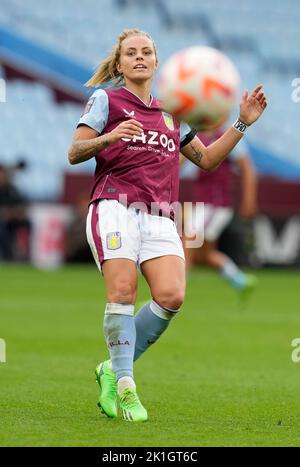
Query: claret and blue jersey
[(146, 167)]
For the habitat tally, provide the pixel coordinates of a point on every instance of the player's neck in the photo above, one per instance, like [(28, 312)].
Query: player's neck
[(140, 90)]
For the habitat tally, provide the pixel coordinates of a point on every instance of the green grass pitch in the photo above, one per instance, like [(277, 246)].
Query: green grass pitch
[(218, 377)]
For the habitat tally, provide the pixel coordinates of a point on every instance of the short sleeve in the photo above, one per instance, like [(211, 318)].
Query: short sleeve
[(95, 114), (186, 134)]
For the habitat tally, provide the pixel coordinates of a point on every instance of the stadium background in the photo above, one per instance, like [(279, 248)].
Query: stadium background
[(47, 51)]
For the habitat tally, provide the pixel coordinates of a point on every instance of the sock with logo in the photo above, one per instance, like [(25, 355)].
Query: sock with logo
[(120, 335), (233, 274), (150, 322)]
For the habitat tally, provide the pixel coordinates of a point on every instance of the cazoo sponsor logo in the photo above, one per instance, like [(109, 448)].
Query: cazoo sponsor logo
[(153, 137)]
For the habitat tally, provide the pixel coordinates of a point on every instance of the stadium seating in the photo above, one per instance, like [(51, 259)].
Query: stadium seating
[(261, 38), (40, 133)]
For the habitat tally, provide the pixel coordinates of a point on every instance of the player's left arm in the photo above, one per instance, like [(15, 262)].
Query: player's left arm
[(210, 157)]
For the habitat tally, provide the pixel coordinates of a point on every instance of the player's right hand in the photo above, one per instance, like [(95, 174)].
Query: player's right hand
[(126, 129)]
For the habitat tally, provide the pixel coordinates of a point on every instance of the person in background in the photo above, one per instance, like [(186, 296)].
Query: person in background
[(14, 226), (214, 190), (77, 249)]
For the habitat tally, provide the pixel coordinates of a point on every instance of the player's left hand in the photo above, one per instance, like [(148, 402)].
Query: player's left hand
[(251, 107)]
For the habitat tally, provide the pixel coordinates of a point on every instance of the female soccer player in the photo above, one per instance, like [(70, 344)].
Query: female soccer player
[(136, 146)]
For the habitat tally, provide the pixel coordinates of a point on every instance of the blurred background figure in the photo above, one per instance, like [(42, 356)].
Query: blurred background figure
[(77, 249), (214, 189), (14, 225)]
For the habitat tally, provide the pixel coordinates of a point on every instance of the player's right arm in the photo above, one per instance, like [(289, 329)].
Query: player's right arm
[(88, 139), (87, 142)]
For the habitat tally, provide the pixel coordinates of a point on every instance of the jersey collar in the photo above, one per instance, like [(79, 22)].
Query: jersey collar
[(146, 105)]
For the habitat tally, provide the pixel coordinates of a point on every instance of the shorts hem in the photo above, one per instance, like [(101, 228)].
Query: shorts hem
[(161, 255), (118, 257)]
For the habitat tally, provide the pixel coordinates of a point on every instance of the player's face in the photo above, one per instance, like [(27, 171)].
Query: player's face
[(137, 60)]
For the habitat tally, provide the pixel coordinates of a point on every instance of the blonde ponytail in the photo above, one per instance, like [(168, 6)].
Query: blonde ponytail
[(107, 70)]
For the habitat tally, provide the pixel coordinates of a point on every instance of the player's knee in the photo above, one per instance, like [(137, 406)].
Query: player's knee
[(122, 292), (170, 299)]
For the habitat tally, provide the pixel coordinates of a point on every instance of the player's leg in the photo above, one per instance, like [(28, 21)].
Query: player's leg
[(162, 263), (166, 278), (119, 328), (114, 239), (117, 373)]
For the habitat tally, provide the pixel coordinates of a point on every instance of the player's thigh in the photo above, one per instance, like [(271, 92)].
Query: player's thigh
[(112, 231), (113, 235), (165, 276), (120, 277)]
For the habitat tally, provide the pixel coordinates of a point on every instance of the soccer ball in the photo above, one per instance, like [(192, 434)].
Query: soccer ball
[(199, 85)]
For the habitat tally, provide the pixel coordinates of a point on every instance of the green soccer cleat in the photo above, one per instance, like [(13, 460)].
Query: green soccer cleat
[(131, 407), (106, 379)]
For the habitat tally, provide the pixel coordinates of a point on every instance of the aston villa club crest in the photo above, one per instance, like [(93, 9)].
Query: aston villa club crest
[(168, 119), (89, 105), (113, 240)]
